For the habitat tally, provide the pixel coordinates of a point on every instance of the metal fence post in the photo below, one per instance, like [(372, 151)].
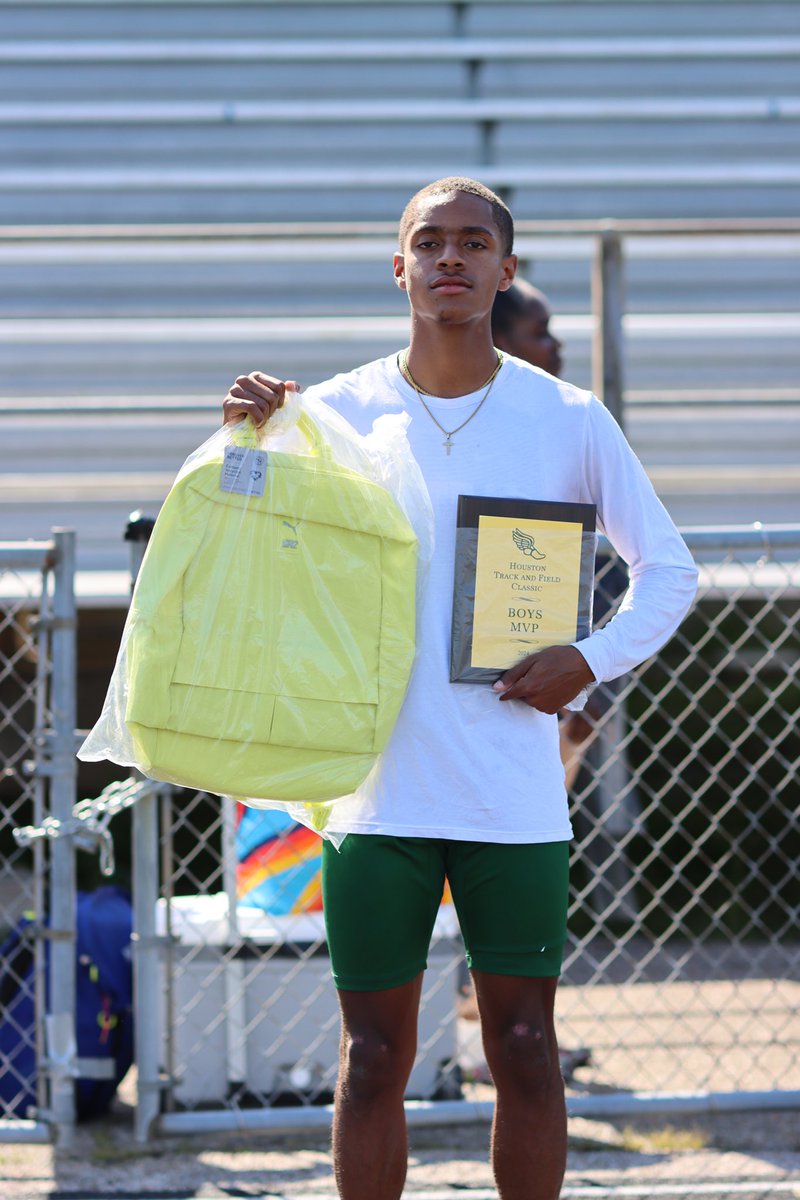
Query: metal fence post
[(235, 1005), (146, 972), (145, 897), (608, 302), (60, 1021)]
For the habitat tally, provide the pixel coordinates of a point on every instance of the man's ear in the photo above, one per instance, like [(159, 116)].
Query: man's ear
[(399, 267), (509, 269)]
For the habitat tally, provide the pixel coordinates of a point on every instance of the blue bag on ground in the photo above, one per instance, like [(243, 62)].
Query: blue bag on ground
[(104, 1004)]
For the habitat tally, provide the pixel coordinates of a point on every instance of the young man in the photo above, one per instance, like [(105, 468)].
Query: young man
[(471, 784)]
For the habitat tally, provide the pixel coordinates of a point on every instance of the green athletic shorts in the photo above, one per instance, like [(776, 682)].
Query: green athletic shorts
[(381, 896)]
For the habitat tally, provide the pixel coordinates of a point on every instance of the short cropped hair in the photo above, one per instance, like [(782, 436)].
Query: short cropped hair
[(461, 183)]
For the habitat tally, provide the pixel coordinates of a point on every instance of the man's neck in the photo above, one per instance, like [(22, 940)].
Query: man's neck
[(451, 361)]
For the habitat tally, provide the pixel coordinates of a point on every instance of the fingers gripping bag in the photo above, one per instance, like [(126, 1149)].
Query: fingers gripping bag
[(271, 631)]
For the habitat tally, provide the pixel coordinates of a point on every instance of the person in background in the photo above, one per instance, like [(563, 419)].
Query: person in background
[(521, 326), (521, 320), (590, 739)]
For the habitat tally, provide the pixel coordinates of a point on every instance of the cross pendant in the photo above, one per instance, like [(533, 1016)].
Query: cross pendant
[(447, 443)]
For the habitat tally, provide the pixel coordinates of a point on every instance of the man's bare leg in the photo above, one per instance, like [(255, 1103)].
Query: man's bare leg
[(529, 1136), (377, 1049)]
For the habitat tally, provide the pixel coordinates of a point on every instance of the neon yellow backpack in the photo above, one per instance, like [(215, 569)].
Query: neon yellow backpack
[(271, 637)]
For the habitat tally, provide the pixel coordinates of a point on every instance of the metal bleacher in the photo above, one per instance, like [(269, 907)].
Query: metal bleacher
[(189, 190)]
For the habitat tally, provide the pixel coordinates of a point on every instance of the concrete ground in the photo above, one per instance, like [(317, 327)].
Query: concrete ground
[(713, 1155), (725, 1033)]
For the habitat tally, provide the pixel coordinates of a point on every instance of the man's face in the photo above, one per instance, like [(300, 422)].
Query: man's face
[(530, 338), (452, 262)]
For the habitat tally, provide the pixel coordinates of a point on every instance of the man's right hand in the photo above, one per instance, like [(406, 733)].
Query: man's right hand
[(256, 395)]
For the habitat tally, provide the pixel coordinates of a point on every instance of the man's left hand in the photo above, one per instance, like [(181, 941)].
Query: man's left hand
[(546, 680)]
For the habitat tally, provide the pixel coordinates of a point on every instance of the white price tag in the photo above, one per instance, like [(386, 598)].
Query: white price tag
[(244, 471)]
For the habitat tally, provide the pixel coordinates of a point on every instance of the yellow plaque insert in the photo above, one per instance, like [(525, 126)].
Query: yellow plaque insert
[(527, 585)]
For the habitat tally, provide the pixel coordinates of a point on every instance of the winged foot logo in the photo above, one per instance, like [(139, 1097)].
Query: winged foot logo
[(526, 544)]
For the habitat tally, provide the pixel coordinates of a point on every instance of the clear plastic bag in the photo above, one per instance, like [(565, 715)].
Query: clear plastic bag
[(271, 632)]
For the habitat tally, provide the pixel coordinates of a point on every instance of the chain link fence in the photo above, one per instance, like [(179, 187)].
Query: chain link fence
[(681, 975), (37, 790), (680, 983)]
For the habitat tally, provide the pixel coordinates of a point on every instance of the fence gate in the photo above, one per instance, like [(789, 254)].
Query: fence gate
[(680, 986), (37, 876)]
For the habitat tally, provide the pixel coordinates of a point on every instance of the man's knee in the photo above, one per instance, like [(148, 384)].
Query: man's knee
[(371, 1064), (524, 1055)]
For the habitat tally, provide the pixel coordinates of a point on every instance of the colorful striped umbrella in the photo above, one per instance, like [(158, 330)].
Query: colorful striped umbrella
[(278, 862)]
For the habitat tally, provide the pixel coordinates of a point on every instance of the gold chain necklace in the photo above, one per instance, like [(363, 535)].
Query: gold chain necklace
[(449, 434)]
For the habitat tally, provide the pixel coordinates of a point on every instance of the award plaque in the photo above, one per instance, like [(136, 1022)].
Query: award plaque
[(524, 579)]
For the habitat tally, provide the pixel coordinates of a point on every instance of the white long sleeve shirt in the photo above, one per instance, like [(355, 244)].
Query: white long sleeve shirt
[(461, 764)]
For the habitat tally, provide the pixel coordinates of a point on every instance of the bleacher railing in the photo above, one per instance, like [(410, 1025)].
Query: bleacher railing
[(374, 239)]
